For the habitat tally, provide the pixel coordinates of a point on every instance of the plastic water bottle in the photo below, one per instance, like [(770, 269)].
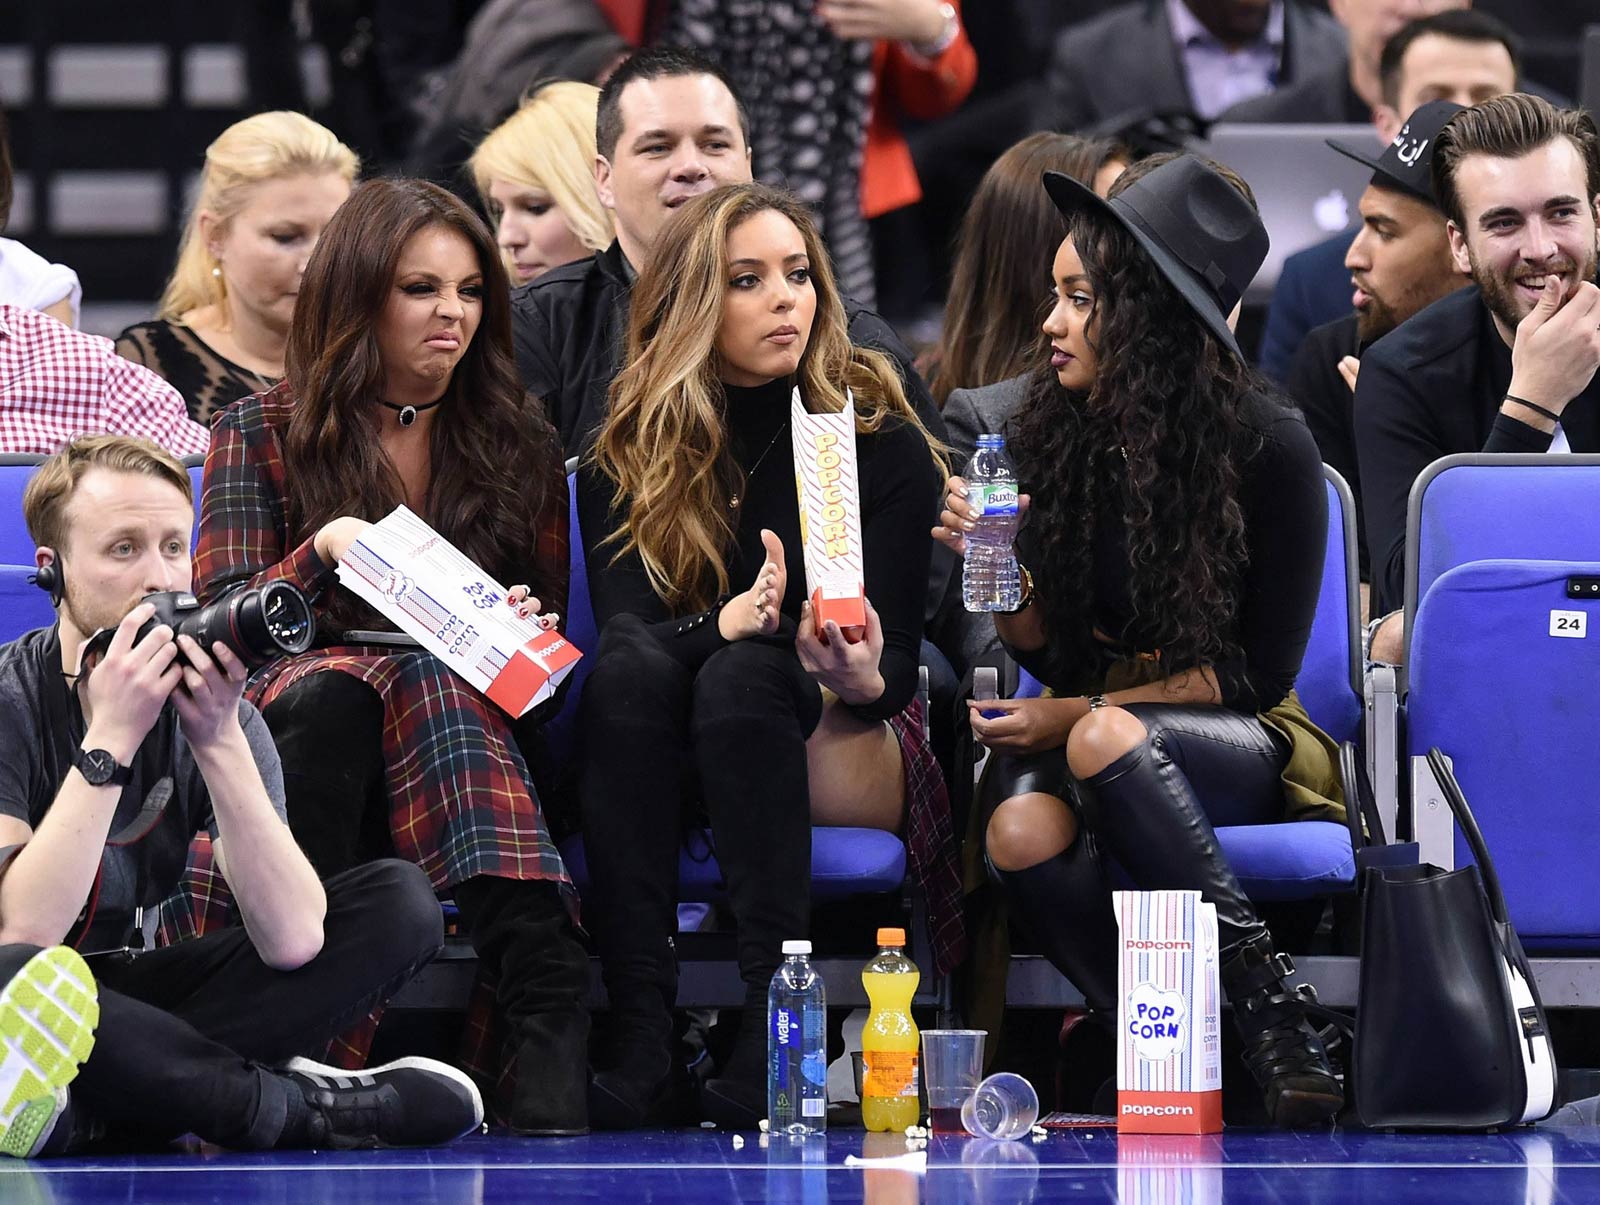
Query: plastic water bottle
[(797, 1045), (989, 579)]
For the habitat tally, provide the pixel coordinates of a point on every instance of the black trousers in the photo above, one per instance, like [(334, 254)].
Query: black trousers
[(188, 1033), (656, 733), (1153, 811)]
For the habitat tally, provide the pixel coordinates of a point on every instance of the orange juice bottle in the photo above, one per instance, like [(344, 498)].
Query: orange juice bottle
[(889, 1042)]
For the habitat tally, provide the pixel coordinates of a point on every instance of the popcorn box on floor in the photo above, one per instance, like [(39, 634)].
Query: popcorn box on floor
[(830, 515), (1169, 1058)]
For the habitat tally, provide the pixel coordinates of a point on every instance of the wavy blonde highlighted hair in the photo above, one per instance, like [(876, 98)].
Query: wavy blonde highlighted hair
[(664, 443), (548, 143), (267, 146)]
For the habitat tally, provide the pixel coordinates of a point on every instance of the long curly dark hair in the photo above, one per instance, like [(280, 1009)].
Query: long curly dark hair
[(1166, 427)]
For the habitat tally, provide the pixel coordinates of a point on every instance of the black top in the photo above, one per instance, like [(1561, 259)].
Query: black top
[(44, 724), (1431, 387), (1329, 406), (570, 325), (1285, 509), (208, 381), (1325, 97), (897, 475)]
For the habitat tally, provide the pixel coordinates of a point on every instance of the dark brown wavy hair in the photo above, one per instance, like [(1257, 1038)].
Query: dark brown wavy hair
[(997, 293), (489, 437), (1166, 427)]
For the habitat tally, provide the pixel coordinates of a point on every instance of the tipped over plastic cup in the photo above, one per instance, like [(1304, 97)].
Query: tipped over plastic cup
[(1003, 1107)]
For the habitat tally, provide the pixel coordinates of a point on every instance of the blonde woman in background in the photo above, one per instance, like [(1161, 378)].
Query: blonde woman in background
[(535, 173), (271, 183)]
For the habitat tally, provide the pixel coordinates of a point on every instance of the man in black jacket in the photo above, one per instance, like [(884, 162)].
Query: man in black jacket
[(1507, 366), (1399, 264), (669, 127)]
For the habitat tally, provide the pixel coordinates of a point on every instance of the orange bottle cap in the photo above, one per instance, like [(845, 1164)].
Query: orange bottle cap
[(891, 937)]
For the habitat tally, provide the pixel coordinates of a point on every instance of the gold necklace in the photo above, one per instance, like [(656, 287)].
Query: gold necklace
[(735, 500)]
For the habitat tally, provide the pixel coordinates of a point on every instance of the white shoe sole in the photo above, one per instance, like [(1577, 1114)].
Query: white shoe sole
[(48, 1014), (317, 1071)]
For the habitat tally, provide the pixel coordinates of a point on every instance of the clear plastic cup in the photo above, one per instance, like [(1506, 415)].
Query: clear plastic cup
[(952, 1065), (1004, 1106)]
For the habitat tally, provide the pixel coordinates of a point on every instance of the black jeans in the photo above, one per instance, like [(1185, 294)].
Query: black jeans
[(188, 1033), (1153, 811)]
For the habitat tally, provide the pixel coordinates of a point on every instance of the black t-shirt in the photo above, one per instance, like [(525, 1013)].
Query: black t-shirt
[(1432, 387), (897, 477), (1286, 527), (166, 800), (1329, 406)]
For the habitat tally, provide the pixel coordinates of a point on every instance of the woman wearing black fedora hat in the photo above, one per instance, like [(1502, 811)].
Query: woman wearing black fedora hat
[(1172, 555)]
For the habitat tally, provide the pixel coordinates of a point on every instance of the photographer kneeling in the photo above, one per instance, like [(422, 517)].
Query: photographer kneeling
[(110, 763)]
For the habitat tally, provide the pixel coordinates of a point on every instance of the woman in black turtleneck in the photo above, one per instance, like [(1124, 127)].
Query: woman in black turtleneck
[(710, 681)]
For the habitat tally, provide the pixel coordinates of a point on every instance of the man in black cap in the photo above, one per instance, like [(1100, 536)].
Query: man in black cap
[(1399, 264), (1507, 366)]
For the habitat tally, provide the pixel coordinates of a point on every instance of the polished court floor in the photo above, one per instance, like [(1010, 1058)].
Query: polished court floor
[(1529, 1167)]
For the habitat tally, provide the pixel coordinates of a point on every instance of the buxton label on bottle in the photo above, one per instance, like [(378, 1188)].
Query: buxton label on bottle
[(994, 499)]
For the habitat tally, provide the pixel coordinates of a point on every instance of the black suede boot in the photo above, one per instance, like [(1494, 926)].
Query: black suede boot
[(754, 708), (1146, 813), (1281, 1048), (1064, 905), (525, 931)]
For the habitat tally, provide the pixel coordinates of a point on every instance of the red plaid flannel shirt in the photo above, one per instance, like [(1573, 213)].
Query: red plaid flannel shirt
[(57, 383)]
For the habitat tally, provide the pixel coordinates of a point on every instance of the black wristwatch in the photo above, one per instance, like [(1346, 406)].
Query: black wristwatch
[(101, 769)]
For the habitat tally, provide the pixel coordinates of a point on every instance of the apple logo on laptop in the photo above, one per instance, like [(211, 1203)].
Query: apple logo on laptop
[(1331, 211)]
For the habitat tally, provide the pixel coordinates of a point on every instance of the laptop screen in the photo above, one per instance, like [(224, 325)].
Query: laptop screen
[(1307, 192)]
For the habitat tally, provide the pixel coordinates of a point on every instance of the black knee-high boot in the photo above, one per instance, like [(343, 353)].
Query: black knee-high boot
[(634, 716), (1144, 810), (1064, 904), (753, 709), (525, 931)]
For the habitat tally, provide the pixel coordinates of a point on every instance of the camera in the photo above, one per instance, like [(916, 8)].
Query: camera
[(256, 625)]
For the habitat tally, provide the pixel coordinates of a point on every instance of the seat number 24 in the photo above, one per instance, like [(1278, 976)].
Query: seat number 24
[(1571, 624)]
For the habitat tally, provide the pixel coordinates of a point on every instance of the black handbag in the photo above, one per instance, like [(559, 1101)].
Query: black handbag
[(1449, 1031)]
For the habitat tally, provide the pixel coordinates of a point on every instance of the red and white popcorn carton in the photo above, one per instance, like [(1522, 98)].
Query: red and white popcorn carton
[(1169, 1058), (424, 585), (830, 515)]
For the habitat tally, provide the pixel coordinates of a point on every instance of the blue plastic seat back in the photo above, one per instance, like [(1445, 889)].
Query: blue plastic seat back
[(23, 606), (1484, 507), (197, 467), (16, 545), (1329, 682), (1514, 707)]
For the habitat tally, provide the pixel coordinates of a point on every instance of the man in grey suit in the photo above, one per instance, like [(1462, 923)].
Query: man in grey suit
[(1184, 56)]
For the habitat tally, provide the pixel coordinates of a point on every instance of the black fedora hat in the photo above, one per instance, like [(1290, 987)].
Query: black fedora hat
[(1203, 234)]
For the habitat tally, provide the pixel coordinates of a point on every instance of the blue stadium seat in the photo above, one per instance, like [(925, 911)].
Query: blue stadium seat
[(845, 862), (16, 545), (23, 606), (1513, 706), (1481, 506), (1311, 858)]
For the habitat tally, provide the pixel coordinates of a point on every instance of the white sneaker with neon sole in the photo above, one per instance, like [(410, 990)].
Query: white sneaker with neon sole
[(48, 1014)]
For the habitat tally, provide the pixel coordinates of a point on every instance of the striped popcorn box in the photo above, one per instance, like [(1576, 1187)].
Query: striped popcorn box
[(1169, 1061), (830, 515)]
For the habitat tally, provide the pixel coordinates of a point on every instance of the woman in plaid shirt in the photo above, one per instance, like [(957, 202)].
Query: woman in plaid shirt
[(389, 399)]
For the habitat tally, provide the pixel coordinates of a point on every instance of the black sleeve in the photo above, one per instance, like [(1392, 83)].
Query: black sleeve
[(1397, 437), (962, 427), (1068, 105), (536, 348), (1286, 531), (896, 545), (621, 586), (1328, 404)]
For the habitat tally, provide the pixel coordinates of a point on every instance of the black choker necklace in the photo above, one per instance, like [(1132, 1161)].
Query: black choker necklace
[(408, 414)]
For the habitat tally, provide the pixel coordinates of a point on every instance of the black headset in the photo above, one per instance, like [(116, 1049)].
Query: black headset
[(52, 579)]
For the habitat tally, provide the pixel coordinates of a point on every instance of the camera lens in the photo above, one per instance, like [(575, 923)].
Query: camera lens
[(257, 625), (286, 616)]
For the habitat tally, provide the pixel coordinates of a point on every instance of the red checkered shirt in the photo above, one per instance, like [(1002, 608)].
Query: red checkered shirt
[(56, 383)]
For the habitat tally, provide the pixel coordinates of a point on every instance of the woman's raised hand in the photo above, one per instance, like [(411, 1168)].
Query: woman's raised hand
[(520, 597), (333, 538), (755, 612)]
